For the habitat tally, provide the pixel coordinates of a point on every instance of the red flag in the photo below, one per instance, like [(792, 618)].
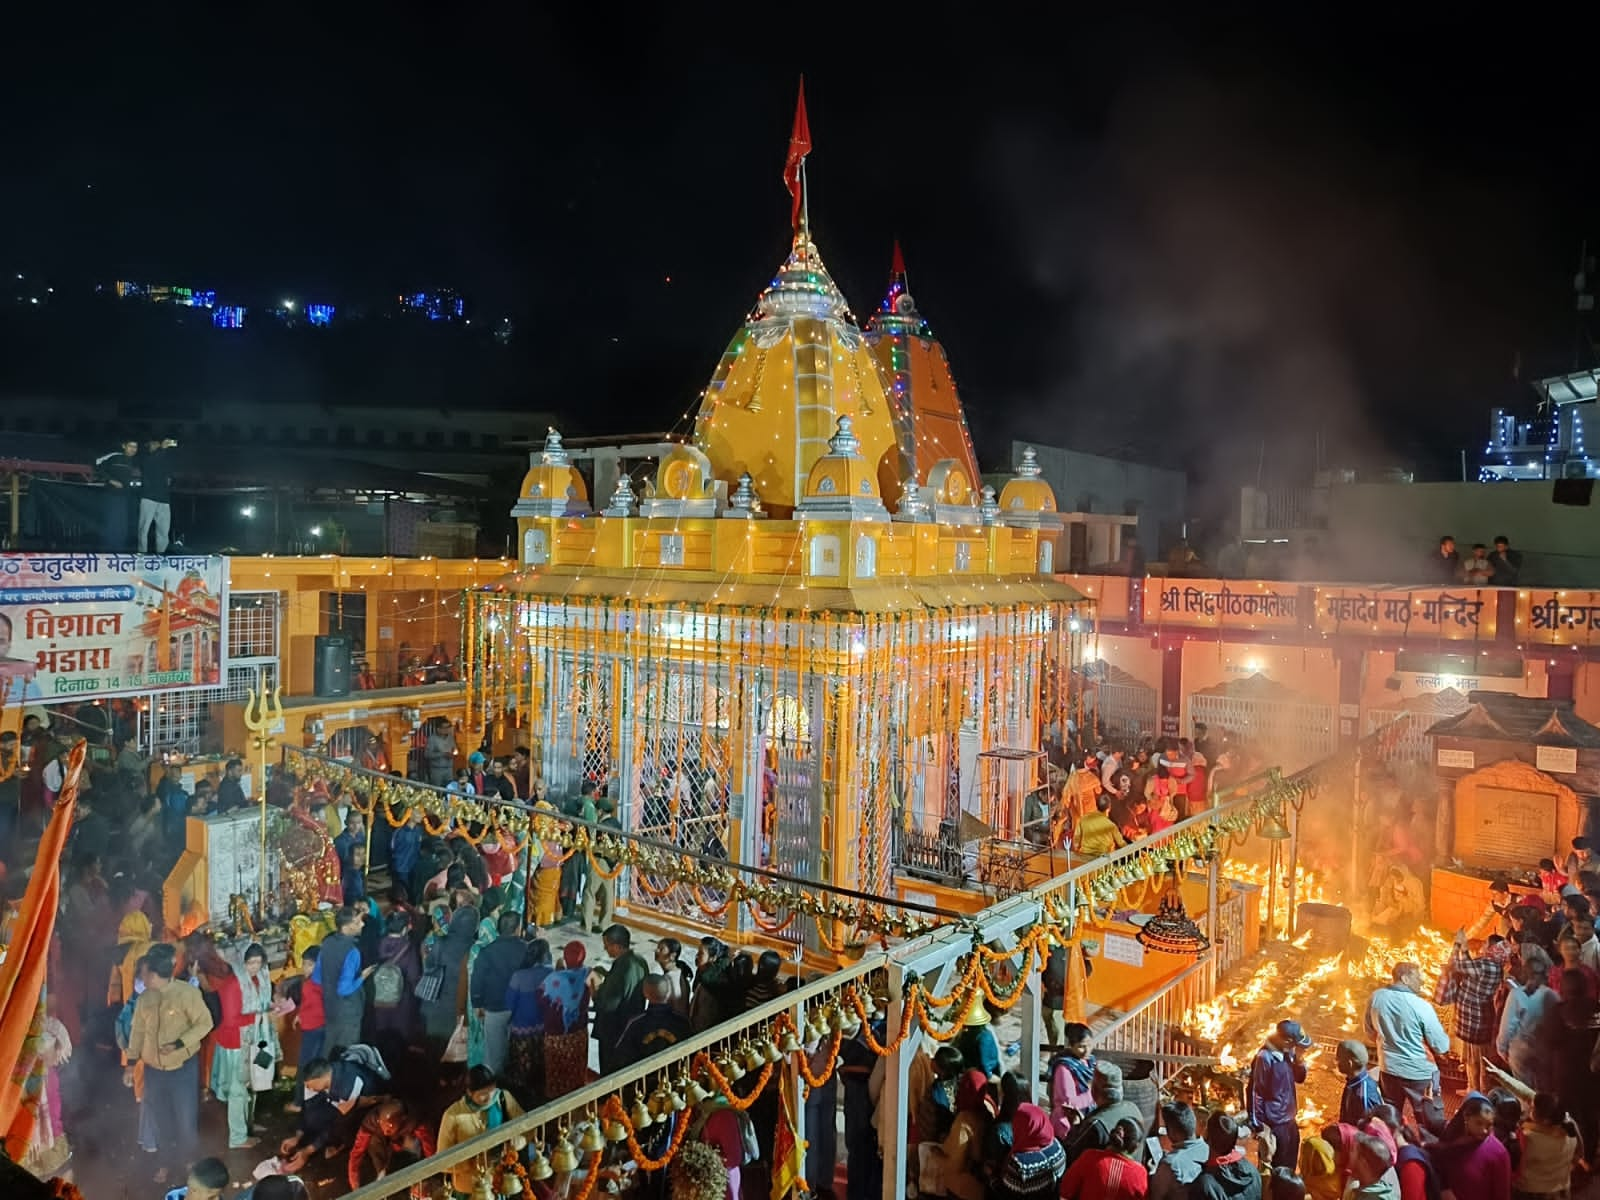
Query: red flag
[(898, 266), (22, 977), (799, 147)]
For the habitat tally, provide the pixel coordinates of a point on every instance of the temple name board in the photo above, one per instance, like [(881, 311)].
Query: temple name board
[(1559, 618), (1221, 604), (1464, 614)]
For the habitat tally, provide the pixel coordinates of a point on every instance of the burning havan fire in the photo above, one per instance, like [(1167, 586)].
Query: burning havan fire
[(1327, 994)]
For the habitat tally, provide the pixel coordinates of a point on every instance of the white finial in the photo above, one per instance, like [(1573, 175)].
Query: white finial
[(845, 443), (554, 454), (912, 505), (990, 508), (623, 501), (1029, 467)]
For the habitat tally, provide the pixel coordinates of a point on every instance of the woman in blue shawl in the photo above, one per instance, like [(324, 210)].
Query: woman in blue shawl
[(566, 1024)]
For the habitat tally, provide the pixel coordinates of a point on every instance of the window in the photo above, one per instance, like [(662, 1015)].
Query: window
[(433, 438), (461, 439)]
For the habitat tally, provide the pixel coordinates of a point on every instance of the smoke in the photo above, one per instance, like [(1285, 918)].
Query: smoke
[(1230, 272)]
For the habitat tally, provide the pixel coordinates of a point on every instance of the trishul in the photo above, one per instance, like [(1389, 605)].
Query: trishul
[(262, 713)]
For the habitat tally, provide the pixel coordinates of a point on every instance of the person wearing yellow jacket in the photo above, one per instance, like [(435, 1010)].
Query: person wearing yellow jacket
[(485, 1106)]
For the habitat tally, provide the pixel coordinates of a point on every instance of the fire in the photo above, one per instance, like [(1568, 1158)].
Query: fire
[(1208, 1021), (1310, 886), (1226, 1060), (1310, 1114)]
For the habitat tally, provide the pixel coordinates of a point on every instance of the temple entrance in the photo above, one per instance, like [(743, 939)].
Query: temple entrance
[(681, 791)]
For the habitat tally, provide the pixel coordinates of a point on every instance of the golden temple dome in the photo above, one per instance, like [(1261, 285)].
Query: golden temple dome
[(797, 365), (1026, 491), (842, 483), (930, 421), (553, 487)]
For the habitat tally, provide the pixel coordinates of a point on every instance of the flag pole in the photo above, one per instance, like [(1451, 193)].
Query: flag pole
[(805, 210)]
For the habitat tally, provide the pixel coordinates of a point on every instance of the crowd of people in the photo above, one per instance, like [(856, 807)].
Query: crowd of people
[(1103, 794), (1481, 566)]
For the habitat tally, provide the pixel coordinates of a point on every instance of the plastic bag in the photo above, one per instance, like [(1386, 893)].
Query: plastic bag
[(456, 1050)]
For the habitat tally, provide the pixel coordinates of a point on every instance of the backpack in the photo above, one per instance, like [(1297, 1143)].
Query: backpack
[(388, 986)]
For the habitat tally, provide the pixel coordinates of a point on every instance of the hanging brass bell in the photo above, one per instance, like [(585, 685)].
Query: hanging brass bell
[(729, 1066), (1273, 829), (539, 1167), (770, 1051), (754, 1060), (564, 1158), (483, 1187), (835, 1018), (510, 1185), (677, 1098), (591, 1141), (616, 1131), (869, 1006), (790, 1043), (695, 1094), (640, 1115)]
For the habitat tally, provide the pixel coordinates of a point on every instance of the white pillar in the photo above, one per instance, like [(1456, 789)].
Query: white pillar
[(893, 1111)]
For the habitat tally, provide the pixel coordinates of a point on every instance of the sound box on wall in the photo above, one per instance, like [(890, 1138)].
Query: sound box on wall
[(1576, 492), (331, 676)]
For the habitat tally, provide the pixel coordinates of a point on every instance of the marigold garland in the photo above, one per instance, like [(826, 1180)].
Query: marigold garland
[(597, 865), (702, 1061), (909, 1005), (613, 1108)]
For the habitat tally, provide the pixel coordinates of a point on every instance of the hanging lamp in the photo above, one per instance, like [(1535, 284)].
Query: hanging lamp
[(1172, 930)]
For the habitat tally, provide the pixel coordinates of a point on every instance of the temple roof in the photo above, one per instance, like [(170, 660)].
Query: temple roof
[(929, 419), (796, 365), (1500, 716)]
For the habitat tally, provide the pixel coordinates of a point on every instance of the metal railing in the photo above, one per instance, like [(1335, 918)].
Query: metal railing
[(1153, 1028), (540, 1125)]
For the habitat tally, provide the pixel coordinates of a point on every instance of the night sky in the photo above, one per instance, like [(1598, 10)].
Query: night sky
[(1201, 245)]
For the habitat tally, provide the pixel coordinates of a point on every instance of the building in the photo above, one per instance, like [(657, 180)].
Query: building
[(1091, 488), (1550, 444), (803, 642), (440, 304)]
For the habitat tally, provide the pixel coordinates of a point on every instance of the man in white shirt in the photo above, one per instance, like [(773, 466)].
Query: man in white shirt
[(1588, 947), (1406, 1028)]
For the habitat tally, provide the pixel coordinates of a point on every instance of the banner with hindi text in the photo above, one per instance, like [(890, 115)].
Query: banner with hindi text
[(94, 625), (1222, 603), (1559, 618), (1456, 614)]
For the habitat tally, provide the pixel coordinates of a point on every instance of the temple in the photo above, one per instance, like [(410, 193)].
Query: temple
[(809, 639)]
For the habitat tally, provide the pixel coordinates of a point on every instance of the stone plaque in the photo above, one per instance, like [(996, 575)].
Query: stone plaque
[(1510, 828), (1560, 759)]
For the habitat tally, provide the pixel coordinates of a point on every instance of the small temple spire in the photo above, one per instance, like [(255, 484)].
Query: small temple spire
[(897, 266)]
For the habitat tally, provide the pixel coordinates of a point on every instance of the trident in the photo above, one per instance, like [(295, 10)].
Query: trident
[(263, 712)]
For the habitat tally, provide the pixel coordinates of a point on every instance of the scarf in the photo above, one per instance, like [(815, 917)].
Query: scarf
[(566, 989), (1030, 1129), (1081, 1069), (493, 1113)]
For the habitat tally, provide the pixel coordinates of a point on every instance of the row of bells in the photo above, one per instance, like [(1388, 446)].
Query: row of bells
[(1271, 828), (685, 1093)]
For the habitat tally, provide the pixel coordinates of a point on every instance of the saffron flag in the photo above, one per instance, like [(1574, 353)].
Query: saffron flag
[(799, 147), (788, 1151), (22, 975)]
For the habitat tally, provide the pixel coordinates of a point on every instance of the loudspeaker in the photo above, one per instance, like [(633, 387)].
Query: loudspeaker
[(1577, 492), (331, 675)]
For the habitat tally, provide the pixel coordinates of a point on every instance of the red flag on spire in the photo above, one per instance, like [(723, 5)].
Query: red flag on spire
[(799, 147), (898, 266)]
